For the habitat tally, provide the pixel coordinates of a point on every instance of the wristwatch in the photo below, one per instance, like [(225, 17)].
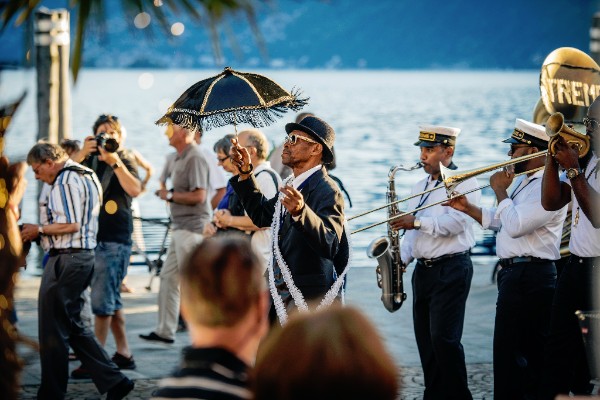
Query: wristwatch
[(116, 165), (40, 230), (573, 172), (170, 196), (417, 224)]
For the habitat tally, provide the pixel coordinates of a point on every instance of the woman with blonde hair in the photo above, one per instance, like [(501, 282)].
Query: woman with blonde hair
[(335, 353)]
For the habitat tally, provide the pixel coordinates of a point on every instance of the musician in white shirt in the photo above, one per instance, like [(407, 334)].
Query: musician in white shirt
[(527, 244), (578, 282), (440, 238)]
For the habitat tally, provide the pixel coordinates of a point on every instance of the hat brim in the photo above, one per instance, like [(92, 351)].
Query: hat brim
[(425, 143), (512, 140), (327, 153), (534, 143)]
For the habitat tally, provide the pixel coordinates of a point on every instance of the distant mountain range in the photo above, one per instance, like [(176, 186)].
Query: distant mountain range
[(349, 34)]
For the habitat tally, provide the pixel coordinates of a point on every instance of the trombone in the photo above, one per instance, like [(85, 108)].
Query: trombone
[(451, 180)]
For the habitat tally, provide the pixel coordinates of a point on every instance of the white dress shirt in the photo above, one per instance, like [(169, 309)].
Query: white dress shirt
[(444, 230), (261, 239), (585, 239), (524, 227)]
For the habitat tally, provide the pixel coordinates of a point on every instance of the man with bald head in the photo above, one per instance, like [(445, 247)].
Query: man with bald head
[(578, 281), (311, 250)]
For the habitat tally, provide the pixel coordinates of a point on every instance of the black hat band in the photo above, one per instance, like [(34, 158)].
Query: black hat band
[(526, 138), (437, 138)]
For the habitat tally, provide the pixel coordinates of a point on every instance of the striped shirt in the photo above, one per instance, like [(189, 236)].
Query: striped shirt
[(74, 197), (206, 373)]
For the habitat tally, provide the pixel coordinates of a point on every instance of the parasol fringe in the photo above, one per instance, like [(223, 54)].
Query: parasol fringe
[(258, 118)]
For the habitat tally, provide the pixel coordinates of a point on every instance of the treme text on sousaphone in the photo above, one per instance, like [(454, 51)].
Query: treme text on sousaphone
[(386, 249)]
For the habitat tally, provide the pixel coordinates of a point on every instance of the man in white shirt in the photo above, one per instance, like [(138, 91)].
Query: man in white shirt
[(440, 238), (579, 279), (527, 243), (268, 182)]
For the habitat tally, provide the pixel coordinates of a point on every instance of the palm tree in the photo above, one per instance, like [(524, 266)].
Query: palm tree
[(210, 13)]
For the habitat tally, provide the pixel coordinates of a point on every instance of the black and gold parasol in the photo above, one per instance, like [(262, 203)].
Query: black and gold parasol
[(231, 98)]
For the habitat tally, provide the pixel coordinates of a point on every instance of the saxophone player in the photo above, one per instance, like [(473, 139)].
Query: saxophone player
[(527, 243), (440, 238)]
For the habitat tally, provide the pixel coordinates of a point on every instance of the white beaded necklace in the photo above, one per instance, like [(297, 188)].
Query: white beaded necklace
[(287, 276)]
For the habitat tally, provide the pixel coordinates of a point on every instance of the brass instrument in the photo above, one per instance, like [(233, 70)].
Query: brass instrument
[(451, 179), (386, 250), (556, 127)]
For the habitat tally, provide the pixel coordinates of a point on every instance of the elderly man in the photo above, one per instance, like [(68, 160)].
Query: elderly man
[(225, 301), (190, 210), (268, 182), (440, 238), (69, 224), (311, 250), (527, 244), (579, 279)]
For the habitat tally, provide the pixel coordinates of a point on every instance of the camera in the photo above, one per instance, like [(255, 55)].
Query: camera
[(106, 142)]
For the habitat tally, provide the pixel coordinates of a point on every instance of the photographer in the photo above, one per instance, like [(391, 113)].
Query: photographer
[(117, 172)]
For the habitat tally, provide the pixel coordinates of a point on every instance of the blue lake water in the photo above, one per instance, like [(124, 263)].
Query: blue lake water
[(375, 115)]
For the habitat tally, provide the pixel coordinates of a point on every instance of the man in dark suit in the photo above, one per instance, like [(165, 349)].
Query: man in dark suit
[(311, 250)]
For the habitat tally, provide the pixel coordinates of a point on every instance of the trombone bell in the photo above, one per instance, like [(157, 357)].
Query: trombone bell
[(555, 127)]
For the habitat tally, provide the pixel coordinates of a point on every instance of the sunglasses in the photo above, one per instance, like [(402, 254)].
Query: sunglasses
[(591, 123), (222, 160), (293, 139), (515, 147), (107, 118)]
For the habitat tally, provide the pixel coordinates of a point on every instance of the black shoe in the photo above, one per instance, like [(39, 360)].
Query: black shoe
[(80, 373), (120, 390), (155, 338), (123, 362)]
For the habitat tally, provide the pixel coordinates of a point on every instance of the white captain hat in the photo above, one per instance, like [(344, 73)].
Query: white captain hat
[(433, 135), (526, 132)]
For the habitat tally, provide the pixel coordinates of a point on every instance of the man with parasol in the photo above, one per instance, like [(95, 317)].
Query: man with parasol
[(310, 248)]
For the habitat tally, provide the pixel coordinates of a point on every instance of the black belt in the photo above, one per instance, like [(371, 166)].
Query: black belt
[(595, 261), (506, 262), (55, 252), (428, 262)]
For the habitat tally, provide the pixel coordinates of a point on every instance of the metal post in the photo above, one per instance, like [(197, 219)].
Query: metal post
[(595, 38), (52, 40)]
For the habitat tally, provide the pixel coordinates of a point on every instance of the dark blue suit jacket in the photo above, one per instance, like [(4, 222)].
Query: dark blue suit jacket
[(314, 246)]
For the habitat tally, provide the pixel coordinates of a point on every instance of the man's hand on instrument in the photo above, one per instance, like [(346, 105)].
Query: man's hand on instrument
[(240, 157), (404, 222), (292, 200), (29, 232), (501, 180), (458, 202), (567, 156)]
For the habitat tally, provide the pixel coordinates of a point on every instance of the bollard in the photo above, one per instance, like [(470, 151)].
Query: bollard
[(52, 41)]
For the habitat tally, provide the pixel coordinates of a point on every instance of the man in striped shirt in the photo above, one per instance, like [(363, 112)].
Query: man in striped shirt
[(69, 224), (224, 301)]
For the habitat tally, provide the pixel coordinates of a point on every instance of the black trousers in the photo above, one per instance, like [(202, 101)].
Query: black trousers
[(564, 348), (59, 307), (525, 292), (439, 296)]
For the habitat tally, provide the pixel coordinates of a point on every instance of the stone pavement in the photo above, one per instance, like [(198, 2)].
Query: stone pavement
[(155, 361)]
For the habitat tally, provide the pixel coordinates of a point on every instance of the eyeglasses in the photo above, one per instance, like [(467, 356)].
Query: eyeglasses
[(222, 160), (36, 170), (591, 123), (293, 139)]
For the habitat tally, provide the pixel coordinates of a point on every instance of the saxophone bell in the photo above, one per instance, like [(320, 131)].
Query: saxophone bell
[(388, 278)]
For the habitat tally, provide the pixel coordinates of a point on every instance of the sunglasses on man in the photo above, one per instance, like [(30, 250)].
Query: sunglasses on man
[(293, 139)]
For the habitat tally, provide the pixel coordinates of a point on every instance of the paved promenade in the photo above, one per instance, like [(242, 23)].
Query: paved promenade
[(155, 361)]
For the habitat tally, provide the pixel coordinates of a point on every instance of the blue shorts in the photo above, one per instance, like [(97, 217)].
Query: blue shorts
[(110, 268)]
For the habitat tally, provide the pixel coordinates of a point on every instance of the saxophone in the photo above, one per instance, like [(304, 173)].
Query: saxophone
[(386, 250)]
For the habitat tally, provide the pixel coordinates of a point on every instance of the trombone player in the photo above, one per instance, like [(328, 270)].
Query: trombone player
[(579, 279), (527, 243), (440, 238)]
